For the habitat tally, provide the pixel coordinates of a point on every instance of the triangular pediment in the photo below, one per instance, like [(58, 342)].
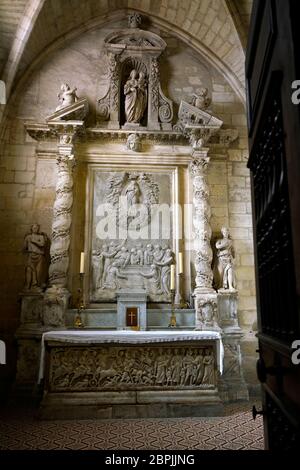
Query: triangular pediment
[(75, 111), (135, 39), (191, 115)]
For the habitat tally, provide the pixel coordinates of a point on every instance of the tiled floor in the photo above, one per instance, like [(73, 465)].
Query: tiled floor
[(20, 429)]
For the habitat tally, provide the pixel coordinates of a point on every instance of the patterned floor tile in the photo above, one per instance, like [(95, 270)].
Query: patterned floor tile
[(20, 429)]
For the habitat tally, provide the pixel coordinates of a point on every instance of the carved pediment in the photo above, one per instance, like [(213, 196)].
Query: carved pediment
[(191, 115), (75, 111), (135, 39)]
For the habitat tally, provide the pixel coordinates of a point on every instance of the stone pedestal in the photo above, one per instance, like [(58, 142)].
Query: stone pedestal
[(228, 310), (132, 298), (232, 384)]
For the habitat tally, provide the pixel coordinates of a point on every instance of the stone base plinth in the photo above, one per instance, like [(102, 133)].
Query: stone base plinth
[(124, 405)]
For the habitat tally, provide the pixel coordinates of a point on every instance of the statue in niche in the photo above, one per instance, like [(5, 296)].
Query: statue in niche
[(201, 100), (66, 96), (36, 247), (165, 264), (225, 262), (135, 91), (133, 193)]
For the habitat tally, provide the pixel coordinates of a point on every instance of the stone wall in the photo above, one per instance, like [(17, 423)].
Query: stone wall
[(27, 184)]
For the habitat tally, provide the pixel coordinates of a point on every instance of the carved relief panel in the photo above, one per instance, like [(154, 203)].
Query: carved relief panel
[(137, 368), (131, 235)]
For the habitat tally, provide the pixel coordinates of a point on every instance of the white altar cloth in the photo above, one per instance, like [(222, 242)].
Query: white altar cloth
[(129, 337)]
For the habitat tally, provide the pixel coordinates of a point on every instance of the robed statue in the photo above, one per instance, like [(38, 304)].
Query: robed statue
[(135, 91)]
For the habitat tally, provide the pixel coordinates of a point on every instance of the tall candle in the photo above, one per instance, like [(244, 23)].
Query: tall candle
[(172, 279), (180, 263), (82, 263)]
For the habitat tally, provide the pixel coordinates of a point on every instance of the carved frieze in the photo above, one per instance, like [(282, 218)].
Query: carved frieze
[(137, 368)]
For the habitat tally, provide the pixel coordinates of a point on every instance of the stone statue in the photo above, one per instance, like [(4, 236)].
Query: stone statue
[(165, 264), (135, 91), (36, 246), (132, 192), (66, 96), (225, 262), (133, 143), (201, 100)]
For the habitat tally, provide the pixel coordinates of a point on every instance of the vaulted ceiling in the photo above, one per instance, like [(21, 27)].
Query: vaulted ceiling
[(29, 29)]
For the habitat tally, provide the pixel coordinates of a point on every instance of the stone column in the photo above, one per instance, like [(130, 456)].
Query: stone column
[(57, 295), (205, 296)]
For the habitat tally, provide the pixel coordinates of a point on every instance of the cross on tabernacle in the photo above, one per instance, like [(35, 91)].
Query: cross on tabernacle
[(132, 317)]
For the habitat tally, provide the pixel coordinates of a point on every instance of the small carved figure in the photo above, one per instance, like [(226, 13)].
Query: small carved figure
[(225, 262), (148, 255), (165, 263), (132, 192), (113, 276), (133, 142), (154, 276), (35, 245), (201, 100), (66, 96), (134, 257)]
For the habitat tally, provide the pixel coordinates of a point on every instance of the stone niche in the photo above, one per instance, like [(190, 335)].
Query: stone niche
[(133, 70)]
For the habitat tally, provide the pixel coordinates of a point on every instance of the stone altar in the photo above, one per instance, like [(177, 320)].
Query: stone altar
[(129, 374)]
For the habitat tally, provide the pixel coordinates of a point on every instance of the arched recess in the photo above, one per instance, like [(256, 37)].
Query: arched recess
[(103, 20)]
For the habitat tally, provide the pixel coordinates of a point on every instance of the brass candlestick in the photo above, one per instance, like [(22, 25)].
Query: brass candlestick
[(173, 321), (78, 323)]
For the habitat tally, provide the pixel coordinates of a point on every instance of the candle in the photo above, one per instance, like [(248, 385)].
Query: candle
[(180, 263), (82, 263), (172, 279)]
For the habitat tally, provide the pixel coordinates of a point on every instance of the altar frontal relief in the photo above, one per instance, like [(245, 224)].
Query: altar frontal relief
[(132, 233)]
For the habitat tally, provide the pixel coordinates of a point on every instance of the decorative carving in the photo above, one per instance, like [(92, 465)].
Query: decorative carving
[(207, 312), (134, 20), (224, 269), (123, 185), (36, 245), (133, 142), (154, 80), (117, 368), (165, 111), (192, 116), (113, 75), (66, 96), (135, 91), (56, 301), (103, 109), (201, 222), (201, 100), (116, 262)]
